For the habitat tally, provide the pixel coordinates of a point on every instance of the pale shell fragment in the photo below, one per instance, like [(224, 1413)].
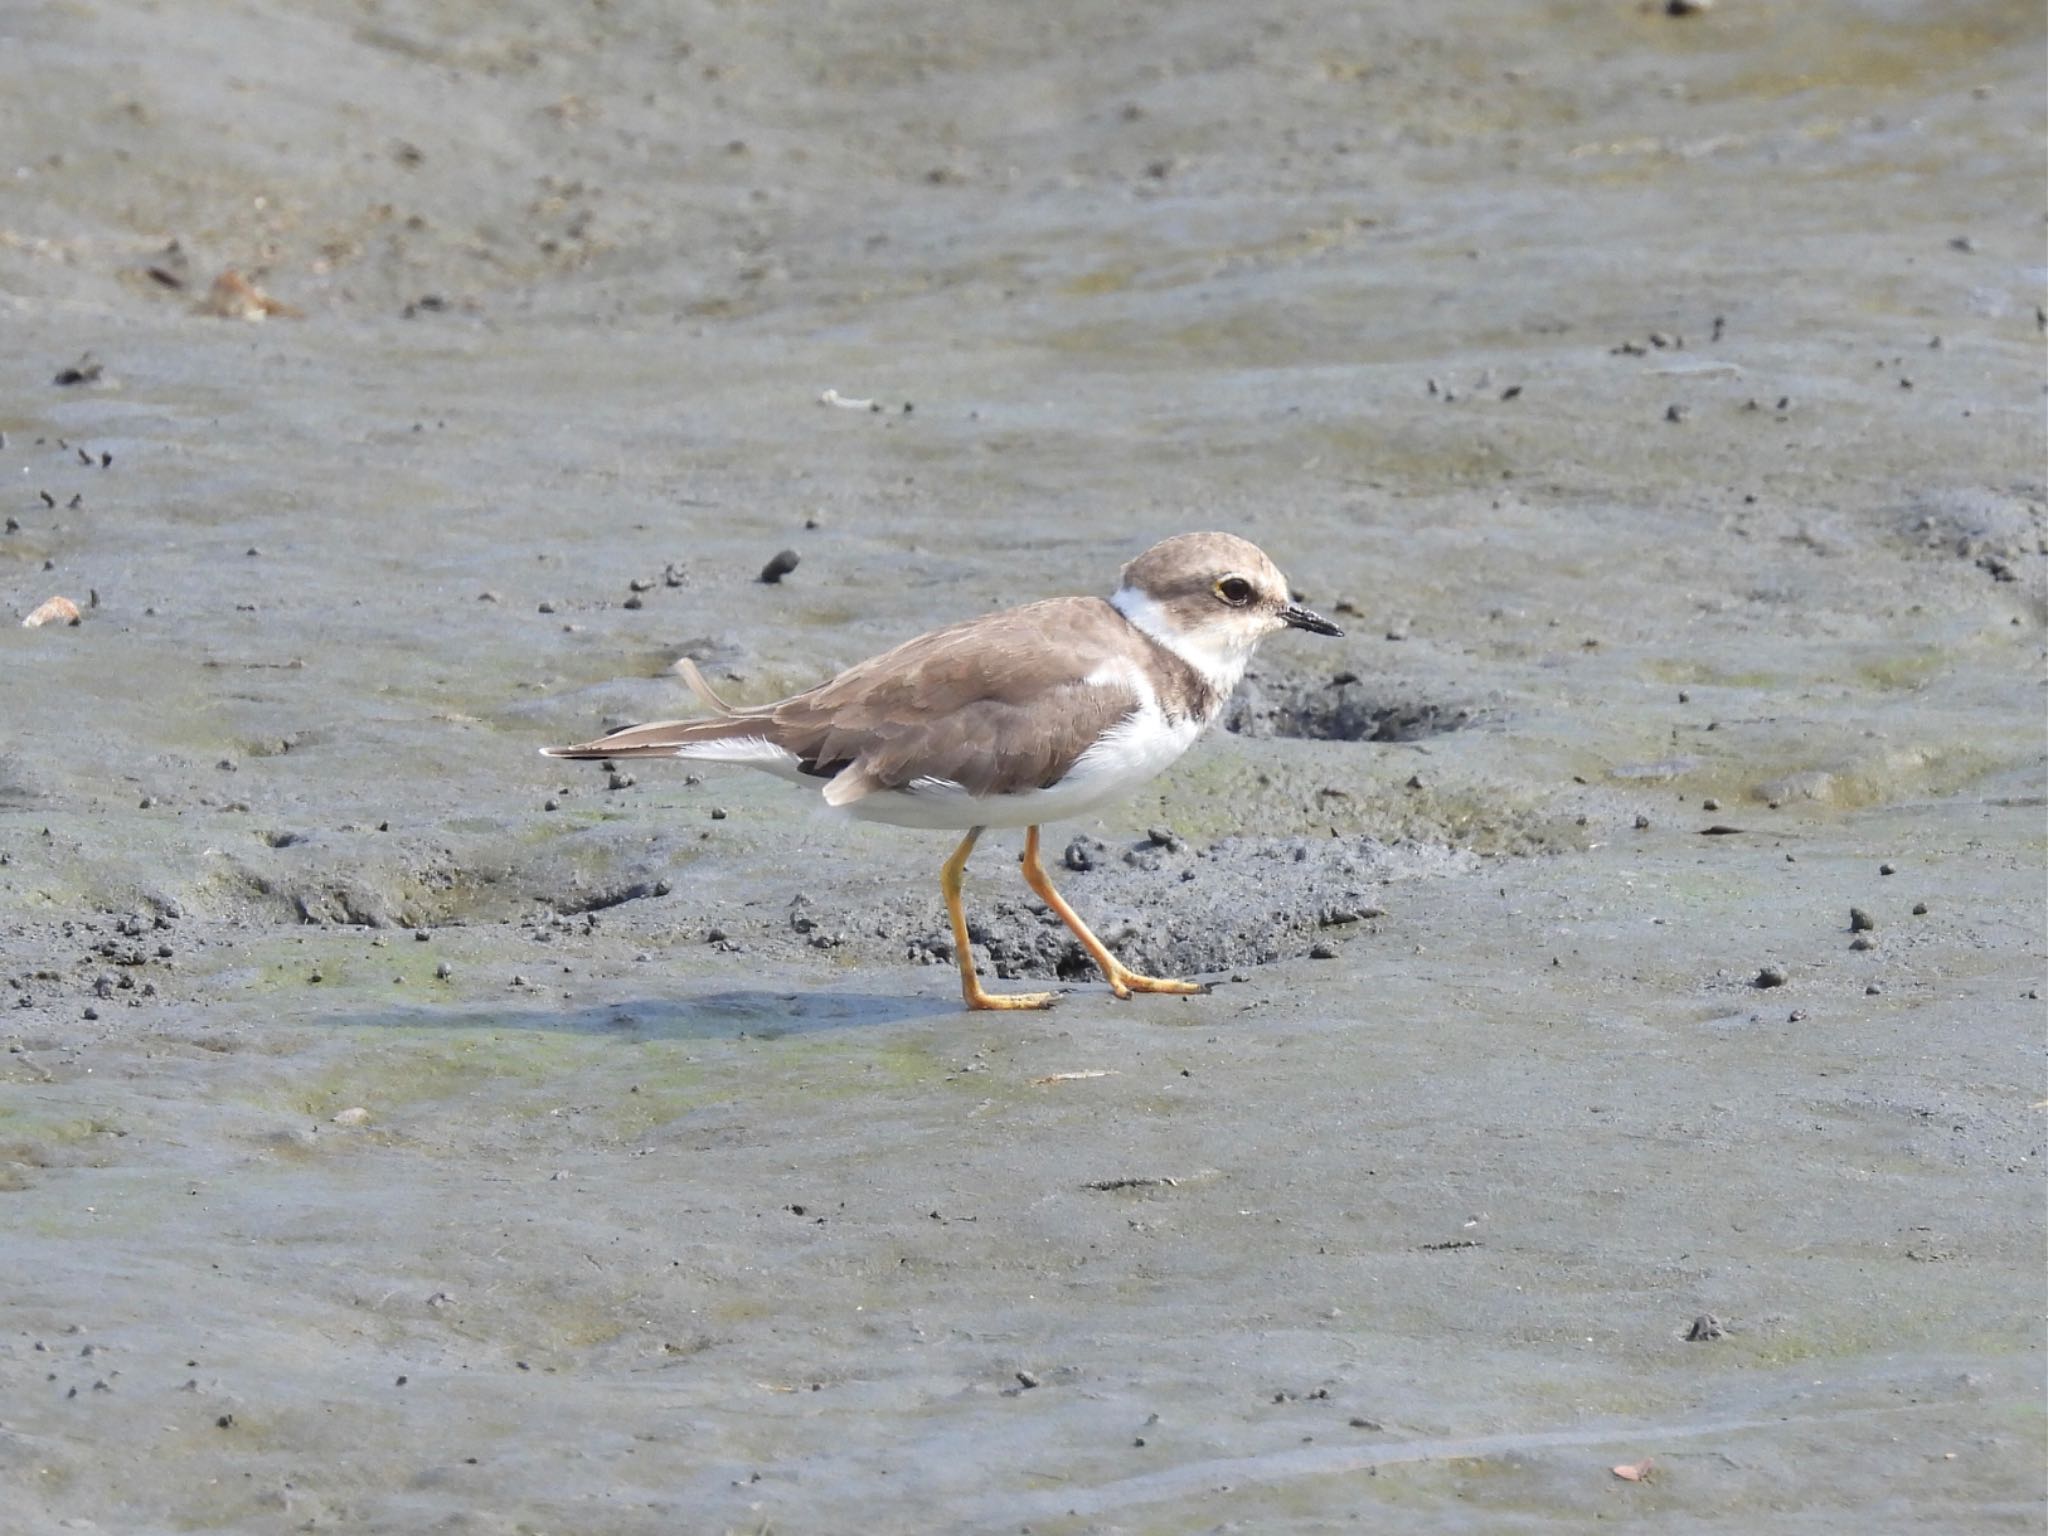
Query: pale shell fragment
[(58, 610)]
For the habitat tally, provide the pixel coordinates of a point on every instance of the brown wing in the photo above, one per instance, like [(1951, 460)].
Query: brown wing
[(995, 705)]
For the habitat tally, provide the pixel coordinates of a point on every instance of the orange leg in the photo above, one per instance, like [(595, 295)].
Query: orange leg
[(970, 984), (1123, 981)]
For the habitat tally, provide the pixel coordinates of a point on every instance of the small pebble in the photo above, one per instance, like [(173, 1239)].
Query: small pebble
[(1026, 1380), (1919, 909), (1770, 976), (1860, 921), (779, 567), (1863, 941), (1886, 869), (634, 602), (489, 597), (356, 1115), (1873, 990), (1704, 1327), (547, 607), (443, 971), (551, 804), (1710, 805), (718, 813), (1642, 823), (1323, 952)]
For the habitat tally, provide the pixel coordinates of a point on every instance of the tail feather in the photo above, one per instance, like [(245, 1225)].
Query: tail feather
[(730, 736), (698, 684)]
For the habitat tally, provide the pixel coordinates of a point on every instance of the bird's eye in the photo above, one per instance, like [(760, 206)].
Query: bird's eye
[(1234, 590)]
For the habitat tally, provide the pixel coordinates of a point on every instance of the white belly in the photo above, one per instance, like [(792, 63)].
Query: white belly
[(1134, 752)]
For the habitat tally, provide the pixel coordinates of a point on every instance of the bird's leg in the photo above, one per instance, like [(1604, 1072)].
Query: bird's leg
[(1123, 981), (970, 984)]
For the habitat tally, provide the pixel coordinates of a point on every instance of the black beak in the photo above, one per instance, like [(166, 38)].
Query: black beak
[(1297, 617)]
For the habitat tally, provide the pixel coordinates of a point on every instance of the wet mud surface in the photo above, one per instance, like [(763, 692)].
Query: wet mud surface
[(400, 1132)]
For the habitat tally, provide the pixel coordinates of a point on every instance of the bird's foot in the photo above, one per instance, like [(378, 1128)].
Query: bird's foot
[(1123, 983), (978, 998)]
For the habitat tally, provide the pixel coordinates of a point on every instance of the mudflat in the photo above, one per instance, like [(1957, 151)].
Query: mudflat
[(1627, 1046)]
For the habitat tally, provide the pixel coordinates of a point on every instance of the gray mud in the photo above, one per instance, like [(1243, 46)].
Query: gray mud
[(400, 1132)]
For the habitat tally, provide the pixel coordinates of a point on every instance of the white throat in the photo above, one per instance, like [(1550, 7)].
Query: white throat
[(1220, 653)]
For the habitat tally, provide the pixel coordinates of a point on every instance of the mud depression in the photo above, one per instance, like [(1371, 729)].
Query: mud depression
[(1628, 1038)]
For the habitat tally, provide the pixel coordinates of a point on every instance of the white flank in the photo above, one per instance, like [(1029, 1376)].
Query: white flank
[(1138, 748)]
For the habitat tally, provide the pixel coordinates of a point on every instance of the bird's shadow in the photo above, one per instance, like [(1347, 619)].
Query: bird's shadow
[(741, 1013)]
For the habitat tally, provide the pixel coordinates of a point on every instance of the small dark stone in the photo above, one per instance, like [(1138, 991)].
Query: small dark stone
[(1675, 413), (1886, 869), (718, 813), (1323, 952), (1863, 941), (1919, 909), (1704, 1327), (780, 566), (1860, 921), (443, 971), (1078, 856), (1770, 976), (1710, 804), (1642, 823), (1026, 1380)]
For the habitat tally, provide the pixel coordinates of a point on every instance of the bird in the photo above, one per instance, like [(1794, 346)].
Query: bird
[(1020, 717)]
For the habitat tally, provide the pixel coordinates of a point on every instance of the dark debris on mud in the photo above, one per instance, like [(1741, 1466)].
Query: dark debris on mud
[(1339, 707)]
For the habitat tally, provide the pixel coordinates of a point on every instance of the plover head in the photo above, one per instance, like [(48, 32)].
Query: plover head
[(1210, 598)]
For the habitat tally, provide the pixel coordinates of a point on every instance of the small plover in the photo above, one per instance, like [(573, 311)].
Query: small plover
[(1030, 715)]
